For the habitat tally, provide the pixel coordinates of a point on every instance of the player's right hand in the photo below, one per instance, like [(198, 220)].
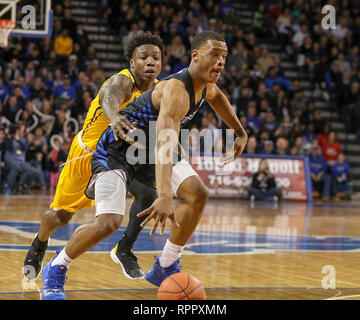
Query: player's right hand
[(119, 124), (161, 209)]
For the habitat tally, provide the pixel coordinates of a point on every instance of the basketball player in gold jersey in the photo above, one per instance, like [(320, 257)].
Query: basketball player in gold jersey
[(145, 55)]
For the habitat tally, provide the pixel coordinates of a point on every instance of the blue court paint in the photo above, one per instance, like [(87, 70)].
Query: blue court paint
[(202, 241)]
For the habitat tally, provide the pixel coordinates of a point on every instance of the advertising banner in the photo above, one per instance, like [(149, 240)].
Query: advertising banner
[(231, 181)]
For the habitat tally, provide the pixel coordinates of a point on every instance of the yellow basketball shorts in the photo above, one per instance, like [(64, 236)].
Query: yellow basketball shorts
[(73, 181)]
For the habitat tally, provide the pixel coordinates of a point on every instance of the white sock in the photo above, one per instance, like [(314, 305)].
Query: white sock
[(170, 254), (62, 259)]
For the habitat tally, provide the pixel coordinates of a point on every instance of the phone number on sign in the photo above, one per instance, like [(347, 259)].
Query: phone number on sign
[(243, 181)]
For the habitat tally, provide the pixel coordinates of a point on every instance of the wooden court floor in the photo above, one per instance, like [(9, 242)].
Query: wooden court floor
[(295, 251)]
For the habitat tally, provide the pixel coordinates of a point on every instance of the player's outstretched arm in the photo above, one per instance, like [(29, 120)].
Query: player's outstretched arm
[(114, 93), (174, 104), (221, 105)]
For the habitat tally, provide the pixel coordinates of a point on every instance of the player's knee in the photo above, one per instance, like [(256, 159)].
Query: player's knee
[(202, 194), (57, 218), (198, 193), (107, 224), (63, 217)]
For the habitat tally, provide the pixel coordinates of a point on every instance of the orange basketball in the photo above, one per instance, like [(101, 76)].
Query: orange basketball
[(181, 286)]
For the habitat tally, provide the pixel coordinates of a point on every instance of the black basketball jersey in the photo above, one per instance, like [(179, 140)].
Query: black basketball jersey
[(141, 110), (111, 154)]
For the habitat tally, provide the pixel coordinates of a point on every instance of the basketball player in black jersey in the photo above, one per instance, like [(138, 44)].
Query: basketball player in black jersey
[(171, 103)]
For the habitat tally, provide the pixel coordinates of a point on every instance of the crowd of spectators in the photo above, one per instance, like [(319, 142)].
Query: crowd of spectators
[(58, 77), (279, 116), (46, 88)]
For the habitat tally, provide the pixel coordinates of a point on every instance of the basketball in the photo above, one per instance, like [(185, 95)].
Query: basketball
[(181, 286)]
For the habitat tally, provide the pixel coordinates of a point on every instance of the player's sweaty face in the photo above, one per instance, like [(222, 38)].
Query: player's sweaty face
[(147, 61), (213, 57)]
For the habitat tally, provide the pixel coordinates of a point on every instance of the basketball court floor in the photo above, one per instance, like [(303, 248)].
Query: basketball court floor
[(295, 251)]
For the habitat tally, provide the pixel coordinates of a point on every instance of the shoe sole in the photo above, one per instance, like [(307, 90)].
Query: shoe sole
[(116, 260)]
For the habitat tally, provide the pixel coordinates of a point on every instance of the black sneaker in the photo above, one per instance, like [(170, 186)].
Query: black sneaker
[(128, 262), (33, 261)]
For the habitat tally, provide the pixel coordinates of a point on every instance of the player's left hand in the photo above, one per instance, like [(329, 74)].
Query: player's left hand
[(161, 209), (237, 150)]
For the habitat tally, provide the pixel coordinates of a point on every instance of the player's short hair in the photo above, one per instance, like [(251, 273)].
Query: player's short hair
[(139, 40), (202, 37)]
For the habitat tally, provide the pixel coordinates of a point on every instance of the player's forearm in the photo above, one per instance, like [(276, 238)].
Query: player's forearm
[(113, 94), (110, 104), (224, 109), (166, 141)]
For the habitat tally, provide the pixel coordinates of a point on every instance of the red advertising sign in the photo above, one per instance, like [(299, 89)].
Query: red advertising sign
[(232, 180)]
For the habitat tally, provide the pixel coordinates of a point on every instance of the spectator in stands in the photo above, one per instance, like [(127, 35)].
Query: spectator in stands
[(64, 95), (344, 65), (265, 61), (300, 36), (268, 148), (72, 68), (238, 55), (321, 181), (341, 171), (98, 78), (177, 48), (272, 78), (319, 123), (85, 85), (57, 30), (308, 114), (251, 146), (24, 90), (10, 109), (252, 120), (12, 72), (309, 134), (15, 165), (294, 151), (38, 92), (95, 65), (69, 23), (63, 45), (81, 37), (263, 186), (282, 145), (298, 102), (349, 98), (333, 81), (35, 157), (341, 29), (331, 149), (284, 128), (183, 63), (270, 123), (258, 24), (243, 101), (19, 98)]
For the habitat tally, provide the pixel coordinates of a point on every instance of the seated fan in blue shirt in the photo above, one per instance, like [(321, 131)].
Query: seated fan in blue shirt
[(321, 182), (340, 171)]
